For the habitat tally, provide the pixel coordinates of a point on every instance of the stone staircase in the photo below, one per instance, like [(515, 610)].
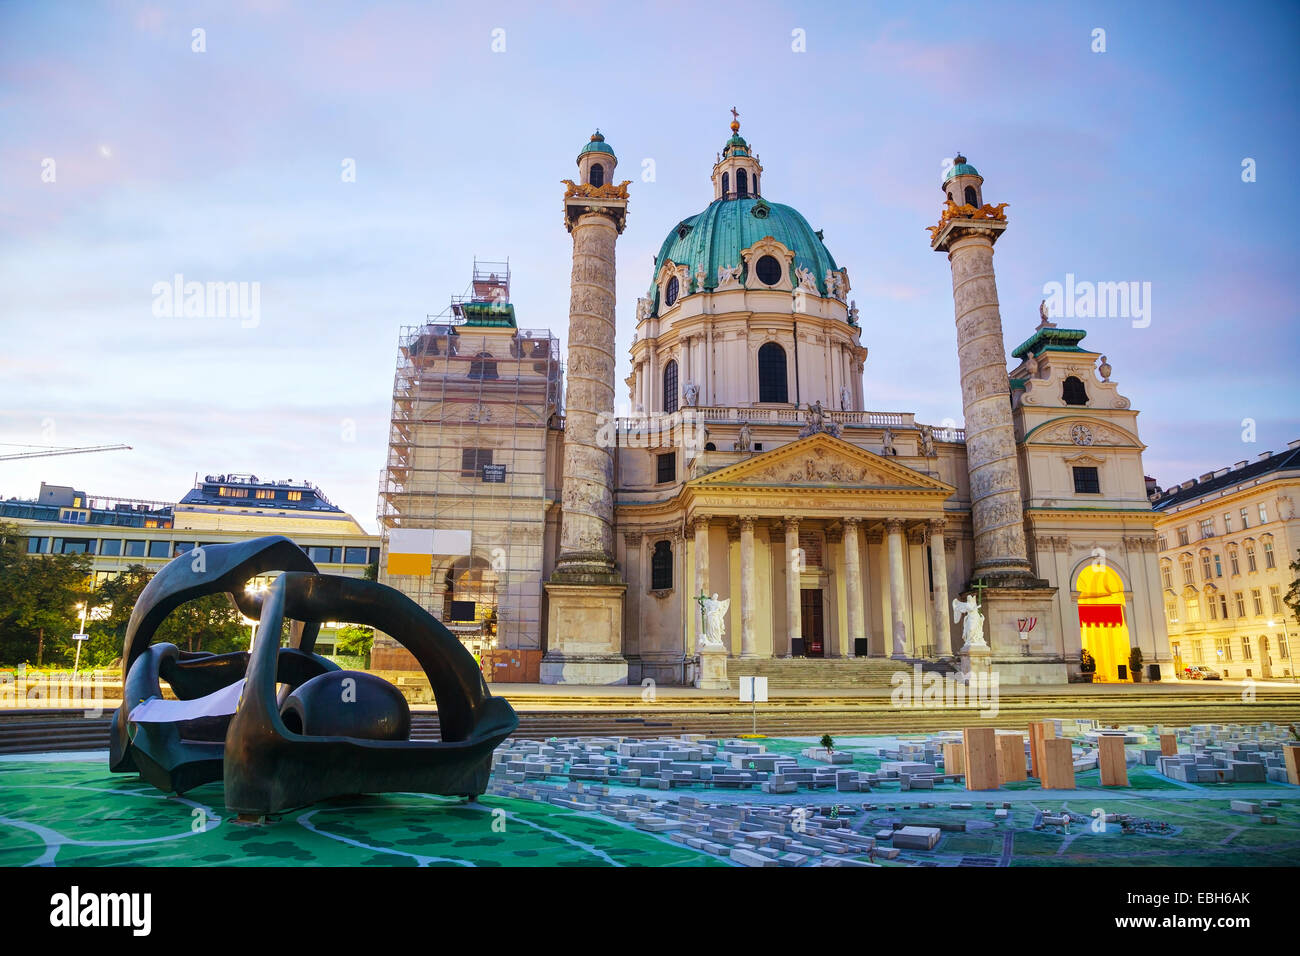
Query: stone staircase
[(801, 673)]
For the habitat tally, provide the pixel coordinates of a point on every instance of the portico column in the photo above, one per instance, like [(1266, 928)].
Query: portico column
[(701, 555), (853, 568), (939, 568), (793, 565), (747, 587), (894, 529)]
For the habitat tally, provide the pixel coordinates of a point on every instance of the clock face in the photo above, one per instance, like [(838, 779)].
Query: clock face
[(1081, 435)]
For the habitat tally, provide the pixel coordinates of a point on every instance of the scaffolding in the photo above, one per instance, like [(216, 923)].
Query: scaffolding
[(473, 400)]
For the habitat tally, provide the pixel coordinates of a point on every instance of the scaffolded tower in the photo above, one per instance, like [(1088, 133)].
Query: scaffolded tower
[(473, 399)]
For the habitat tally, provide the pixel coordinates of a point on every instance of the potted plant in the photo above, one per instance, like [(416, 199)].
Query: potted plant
[(828, 742), (1087, 666), (1135, 664)]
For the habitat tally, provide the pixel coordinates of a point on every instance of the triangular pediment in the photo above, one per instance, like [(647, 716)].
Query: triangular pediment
[(823, 461)]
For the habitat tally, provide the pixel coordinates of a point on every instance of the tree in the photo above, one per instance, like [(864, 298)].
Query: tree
[(356, 641), (38, 598), (115, 599), (1292, 598)]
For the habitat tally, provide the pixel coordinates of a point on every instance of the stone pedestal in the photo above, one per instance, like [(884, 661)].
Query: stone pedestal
[(712, 672), (977, 661), (585, 635), (1037, 660)]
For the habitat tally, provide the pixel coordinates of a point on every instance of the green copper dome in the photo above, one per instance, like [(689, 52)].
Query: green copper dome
[(597, 145), (961, 168), (715, 237)]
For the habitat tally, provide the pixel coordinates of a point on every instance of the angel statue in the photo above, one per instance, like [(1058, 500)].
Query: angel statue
[(715, 621), (972, 629)]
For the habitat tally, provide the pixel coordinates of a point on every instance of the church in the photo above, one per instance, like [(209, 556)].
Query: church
[(835, 539)]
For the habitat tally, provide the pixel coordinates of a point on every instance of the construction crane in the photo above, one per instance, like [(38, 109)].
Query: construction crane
[(51, 450)]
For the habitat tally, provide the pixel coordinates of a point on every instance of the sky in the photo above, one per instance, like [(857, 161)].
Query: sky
[(140, 141)]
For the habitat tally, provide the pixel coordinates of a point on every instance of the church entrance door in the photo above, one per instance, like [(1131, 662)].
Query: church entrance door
[(810, 614)]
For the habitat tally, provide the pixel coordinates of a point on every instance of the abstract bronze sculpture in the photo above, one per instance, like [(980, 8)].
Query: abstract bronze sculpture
[(283, 726)]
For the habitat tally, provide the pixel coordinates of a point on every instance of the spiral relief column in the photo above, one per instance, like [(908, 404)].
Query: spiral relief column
[(585, 592)]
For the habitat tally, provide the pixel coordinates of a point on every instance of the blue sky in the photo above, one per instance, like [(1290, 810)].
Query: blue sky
[(225, 165)]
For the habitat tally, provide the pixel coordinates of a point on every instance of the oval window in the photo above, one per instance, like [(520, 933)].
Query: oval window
[(768, 270), (670, 293)]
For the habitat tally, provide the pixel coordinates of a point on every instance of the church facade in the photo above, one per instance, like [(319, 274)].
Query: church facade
[(750, 470)]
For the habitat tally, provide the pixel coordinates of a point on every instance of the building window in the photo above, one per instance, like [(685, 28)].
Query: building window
[(742, 184), (354, 555), (1233, 563), (1167, 575), (1207, 528), (671, 290), (472, 461), (160, 549), (971, 198), (1171, 612), (295, 496), (666, 467), (1258, 601), (1073, 392), (726, 184), (670, 386), (1227, 522), (1275, 598), (1240, 600), (134, 548), (38, 545), (1213, 606), (1224, 648), (1281, 647), (1245, 519), (597, 177), (1245, 648), (1193, 607), (1162, 542), (1270, 562), (483, 368), (1086, 481), (772, 385), (1263, 513), (1223, 606), (1186, 563), (225, 491), (1206, 573), (110, 547), (1218, 567), (1250, 559), (1182, 536), (768, 270), (264, 493), (661, 566)]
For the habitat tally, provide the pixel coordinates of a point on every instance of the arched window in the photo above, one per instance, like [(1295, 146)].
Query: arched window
[(971, 198), (670, 291), (597, 174), (1073, 392), (756, 184), (950, 196), (742, 183), (661, 566), (771, 374), (670, 387), (726, 184), (483, 367)]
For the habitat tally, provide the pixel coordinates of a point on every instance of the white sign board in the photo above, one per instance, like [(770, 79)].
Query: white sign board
[(428, 541), (81, 637), (753, 690)]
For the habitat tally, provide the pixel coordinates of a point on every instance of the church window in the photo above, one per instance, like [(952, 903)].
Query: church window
[(772, 384), (950, 196), (472, 459), (483, 367), (1086, 481), (726, 184), (1073, 392), (666, 465), (661, 566), (671, 290), (768, 270), (971, 198), (670, 386), (742, 183), (710, 446), (597, 174), (756, 184)]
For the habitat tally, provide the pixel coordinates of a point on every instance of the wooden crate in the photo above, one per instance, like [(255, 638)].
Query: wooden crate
[(981, 756), (1110, 758)]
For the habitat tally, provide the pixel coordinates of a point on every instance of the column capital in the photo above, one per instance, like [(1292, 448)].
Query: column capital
[(937, 525), (632, 538), (851, 524), (834, 533), (747, 523), (895, 525), (733, 530), (789, 524), (699, 522), (917, 534)]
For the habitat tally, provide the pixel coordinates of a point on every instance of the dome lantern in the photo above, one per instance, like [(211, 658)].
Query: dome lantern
[(596, 162), (736, 173)]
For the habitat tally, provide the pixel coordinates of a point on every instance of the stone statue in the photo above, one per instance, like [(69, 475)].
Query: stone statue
[(818, 422), (642, 309), (807, 281), (1031, 365), (700, 275), (853, 312), (846, 400), (745, 440), (728, 277), (816, 414), (1045, 321), (715, 621), (691, 393), (927, 441), (835, 284), (1104, 369), (972, 629), (887, 443)]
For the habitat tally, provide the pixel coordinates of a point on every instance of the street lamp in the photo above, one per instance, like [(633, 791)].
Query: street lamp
[(1286, 635), (80, 638)]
